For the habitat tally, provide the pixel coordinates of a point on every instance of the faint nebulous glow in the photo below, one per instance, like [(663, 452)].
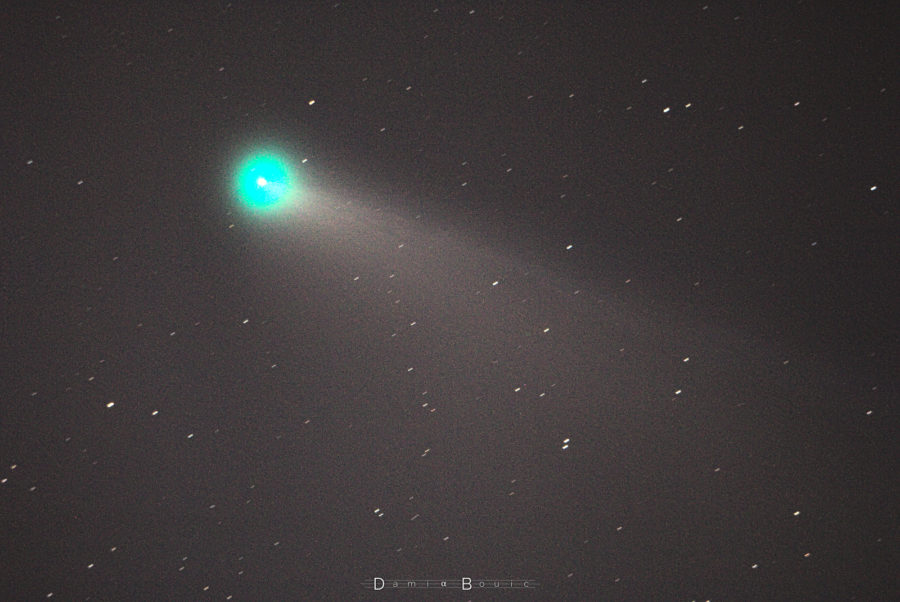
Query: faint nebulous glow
[(265, 182)]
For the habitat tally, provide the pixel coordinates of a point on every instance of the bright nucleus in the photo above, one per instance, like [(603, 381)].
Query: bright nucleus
[(265, 182)]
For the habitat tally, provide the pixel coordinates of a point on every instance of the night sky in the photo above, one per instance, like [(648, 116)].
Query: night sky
[(601, 296)]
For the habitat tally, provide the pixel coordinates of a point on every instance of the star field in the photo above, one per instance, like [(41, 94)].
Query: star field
[(598, 297)]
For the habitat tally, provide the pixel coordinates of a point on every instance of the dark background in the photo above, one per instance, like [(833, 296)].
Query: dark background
[(268, 439)]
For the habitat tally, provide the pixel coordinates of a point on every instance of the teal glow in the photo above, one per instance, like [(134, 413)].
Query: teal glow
[(265, 182)]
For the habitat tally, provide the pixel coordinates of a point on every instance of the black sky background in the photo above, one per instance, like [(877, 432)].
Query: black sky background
[(689, 213)]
